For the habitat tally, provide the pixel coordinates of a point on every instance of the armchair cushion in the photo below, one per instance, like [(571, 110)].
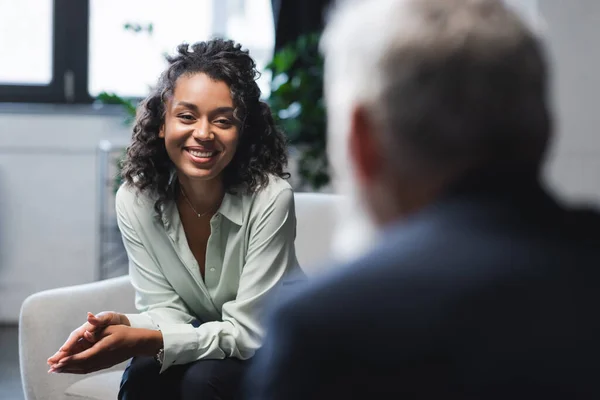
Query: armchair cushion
[(104, 386)]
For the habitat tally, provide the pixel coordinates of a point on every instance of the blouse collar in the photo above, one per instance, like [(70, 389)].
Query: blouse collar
[(231, 206)]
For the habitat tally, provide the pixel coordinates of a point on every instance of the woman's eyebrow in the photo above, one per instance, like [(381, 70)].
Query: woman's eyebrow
[(194, 108), (223, 110), (187, 105)]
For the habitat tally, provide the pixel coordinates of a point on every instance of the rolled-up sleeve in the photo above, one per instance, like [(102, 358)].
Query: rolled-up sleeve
[(270, 254)]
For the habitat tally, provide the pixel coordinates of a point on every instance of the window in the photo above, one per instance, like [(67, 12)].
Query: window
[(128, 40), (69, 51), (27, 61), (253, 27)]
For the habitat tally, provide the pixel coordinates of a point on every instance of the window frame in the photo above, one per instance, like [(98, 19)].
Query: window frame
[(69, 60)]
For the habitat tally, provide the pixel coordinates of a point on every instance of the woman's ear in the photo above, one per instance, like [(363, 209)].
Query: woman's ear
[(161, 132)]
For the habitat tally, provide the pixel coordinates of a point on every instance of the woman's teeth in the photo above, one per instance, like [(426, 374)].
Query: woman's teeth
[(202, 154)]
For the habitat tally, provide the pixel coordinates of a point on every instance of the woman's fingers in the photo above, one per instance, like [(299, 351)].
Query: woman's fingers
[(56, 357), (82, 345), (74, 337), (93, 323), (90, 337), (103, 319), (97, 322), (83, 337)]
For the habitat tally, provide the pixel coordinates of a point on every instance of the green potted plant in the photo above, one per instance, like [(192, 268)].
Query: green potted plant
[(297, 103)]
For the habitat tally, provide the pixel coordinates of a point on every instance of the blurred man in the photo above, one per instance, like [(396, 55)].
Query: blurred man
[(480, 285)]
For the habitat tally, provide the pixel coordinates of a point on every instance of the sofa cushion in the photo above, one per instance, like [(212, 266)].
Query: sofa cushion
[(103, 386)]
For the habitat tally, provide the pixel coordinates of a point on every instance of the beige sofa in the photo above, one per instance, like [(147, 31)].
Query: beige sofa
[(48, 317)]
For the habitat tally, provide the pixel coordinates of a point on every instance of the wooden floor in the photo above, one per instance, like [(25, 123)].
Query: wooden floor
[(10, 379)]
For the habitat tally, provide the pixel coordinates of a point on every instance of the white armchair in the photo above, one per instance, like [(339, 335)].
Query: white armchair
[(49, 316)]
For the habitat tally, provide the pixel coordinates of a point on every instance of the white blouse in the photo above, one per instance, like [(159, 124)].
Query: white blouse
[(249, 251)]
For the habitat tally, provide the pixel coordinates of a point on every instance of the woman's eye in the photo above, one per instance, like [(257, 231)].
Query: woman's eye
[(186, 117), (223, 121)]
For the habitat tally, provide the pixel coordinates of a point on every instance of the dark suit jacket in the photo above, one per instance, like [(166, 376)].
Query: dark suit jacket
[(491, 293)]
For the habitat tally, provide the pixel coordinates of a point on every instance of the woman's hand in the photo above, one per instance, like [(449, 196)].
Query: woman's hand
[(82, 338), (114, 344)]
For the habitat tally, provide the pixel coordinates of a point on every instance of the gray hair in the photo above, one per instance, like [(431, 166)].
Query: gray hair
[(448, 83)]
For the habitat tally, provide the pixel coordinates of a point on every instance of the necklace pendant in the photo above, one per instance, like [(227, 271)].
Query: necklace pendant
[(199, 215)]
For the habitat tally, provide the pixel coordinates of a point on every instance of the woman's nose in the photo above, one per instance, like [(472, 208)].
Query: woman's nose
[(202, 133)]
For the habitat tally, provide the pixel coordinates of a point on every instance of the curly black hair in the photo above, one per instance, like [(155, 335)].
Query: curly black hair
[(261, 150)]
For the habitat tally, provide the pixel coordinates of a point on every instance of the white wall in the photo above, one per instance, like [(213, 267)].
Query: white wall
[(48, 201), (572, 28)]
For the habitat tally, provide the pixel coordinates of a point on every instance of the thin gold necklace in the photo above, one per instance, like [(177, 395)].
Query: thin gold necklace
[(192, 206)]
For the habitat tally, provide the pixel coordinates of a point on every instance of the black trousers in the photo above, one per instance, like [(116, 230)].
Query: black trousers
[(203, 379)]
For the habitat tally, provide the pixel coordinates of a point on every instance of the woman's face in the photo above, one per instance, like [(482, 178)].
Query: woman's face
[(200, 131)]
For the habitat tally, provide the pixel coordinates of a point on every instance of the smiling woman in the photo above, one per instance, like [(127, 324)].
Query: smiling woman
[(208, 223), (201, 132), (202, 83)]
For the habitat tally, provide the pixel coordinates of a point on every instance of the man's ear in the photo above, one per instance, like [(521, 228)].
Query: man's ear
[(365, 153)]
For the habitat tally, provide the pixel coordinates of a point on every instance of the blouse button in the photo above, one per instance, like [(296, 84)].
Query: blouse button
[(212, 269)]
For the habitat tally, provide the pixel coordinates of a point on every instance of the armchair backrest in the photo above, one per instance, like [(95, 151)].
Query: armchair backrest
[(315, 215)]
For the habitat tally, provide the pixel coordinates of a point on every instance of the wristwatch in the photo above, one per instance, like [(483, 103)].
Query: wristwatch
[(160, 356)]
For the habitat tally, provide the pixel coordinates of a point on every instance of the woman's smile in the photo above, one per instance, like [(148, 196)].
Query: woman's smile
[(201, 156)]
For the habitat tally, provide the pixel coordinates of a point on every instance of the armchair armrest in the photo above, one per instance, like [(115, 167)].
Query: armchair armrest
[(48, 317)]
